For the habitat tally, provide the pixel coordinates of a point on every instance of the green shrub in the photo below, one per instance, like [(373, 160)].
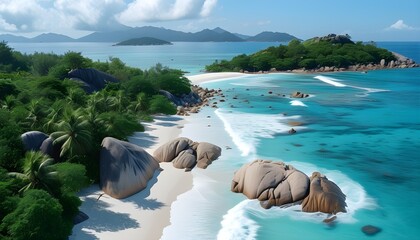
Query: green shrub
[(160, 104), (37, 216)]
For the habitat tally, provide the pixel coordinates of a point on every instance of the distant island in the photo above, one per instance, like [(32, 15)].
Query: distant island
[(320, 54), (207, 35), (144, 41)]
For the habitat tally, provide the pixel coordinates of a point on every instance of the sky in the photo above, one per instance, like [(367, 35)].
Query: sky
[(364, 20)]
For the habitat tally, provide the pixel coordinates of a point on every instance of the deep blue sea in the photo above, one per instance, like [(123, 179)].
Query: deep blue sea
[(360, 129)]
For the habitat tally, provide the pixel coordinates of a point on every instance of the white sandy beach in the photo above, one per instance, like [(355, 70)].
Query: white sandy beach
[(145, 214), (208, 77)]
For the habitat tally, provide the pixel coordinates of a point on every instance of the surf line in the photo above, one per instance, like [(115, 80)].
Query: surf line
[(333, 81)]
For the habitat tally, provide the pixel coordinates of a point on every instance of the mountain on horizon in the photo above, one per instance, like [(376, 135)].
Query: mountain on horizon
[(12, 38), (221, 30), (272, 37), (52, 37), (206, 35)]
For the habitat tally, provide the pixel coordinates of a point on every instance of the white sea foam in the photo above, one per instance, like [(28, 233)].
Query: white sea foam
[(357, 199), (236, 225), (297, 103), (331, 81), (260, 84), (335, 82), (246, 128)]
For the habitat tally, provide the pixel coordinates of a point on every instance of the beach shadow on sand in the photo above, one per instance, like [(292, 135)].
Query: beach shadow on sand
[(140, 198), (101, 219), (97, 206), (168, 118), (142, 139)]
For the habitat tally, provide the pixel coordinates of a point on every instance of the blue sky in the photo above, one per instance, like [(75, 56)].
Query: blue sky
[(377, 20)]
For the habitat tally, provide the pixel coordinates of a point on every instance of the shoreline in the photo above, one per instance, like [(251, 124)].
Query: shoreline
[(145, 214)]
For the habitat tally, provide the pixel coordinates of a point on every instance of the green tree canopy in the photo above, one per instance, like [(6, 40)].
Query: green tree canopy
[(38, 216)]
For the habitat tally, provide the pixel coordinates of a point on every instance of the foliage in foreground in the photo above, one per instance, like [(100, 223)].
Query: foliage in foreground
[(38, 192)]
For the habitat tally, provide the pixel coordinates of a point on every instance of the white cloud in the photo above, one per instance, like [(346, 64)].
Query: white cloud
[(208, 7), (263, 22), (400, 25), (7, 26), (165, 10), (27, 16)]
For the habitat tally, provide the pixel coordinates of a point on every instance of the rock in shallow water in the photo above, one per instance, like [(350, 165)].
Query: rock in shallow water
[(370, 230), (272, 183), (324, 196)]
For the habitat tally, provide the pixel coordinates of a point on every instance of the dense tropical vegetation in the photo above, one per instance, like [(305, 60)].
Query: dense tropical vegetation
[(38, 192), (311, 54)]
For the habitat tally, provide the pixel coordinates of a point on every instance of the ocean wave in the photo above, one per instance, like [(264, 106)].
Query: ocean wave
[(260, 84), (297, 103), (335, 82), (331, 81), (237, 225), (246, 132)]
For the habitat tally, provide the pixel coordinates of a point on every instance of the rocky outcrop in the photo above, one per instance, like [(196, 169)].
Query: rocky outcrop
[(278, 184), (299, 95), (185, 153), (184, 100), (371, 230), (192, 102), (170, 150), (53, 150), (92, 80), (32, 140), (272, 183), (185, 159), (334, 38), (125, 168), (206, 154), (324, 196)]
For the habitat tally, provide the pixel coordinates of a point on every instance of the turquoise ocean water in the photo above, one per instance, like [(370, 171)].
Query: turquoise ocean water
[(361, 130), (363, 135)]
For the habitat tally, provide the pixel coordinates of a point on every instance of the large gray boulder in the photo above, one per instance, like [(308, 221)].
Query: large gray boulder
[(125, 168), (170, 150), (207, 153), (49, 148), (324, 196), (91, 79), (272, 183), (32, 140), (185, 153), (185, 159)]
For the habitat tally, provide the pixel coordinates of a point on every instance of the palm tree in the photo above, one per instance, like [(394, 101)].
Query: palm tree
[(73, 135), (54, 115), (37, 171), (140, 103), (120, 101), (9, 102), (35, 114)]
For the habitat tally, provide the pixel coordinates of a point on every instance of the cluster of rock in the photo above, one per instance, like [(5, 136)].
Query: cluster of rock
[(299, 95), (194, 101), (92, 80), (278, 184), (400, 62), (125, 168), (39, 141), (185, 153), (333, 38)]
